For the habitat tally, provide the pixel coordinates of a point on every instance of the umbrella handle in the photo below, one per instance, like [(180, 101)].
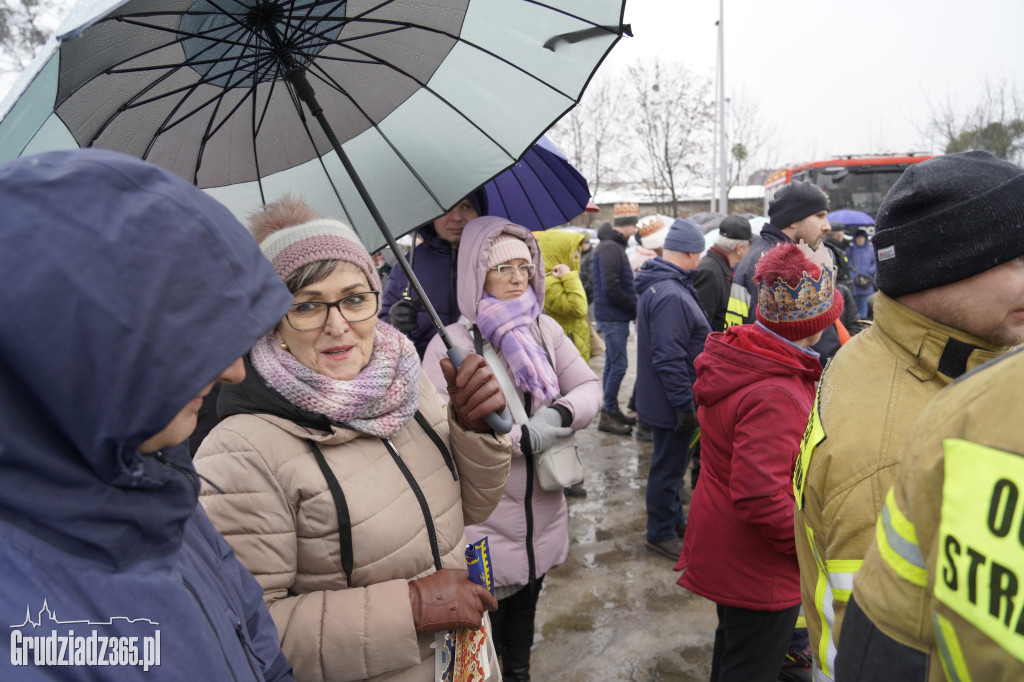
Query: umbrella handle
[(500, 422)]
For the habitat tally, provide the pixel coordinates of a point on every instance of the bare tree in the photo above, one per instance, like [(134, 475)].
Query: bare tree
[(672, 116), (24, 26), (593, 134), (751, 140), (995, 124)]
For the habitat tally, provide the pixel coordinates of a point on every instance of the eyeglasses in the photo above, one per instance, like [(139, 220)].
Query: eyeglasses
[(310, 315), (505, 271)]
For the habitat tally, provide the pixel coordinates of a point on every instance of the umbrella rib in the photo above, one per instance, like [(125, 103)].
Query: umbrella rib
[(323, 166), (529, 198), (577, 17), (541, 162), (328, 80), (134, 102), (397, 26), (210, 129)]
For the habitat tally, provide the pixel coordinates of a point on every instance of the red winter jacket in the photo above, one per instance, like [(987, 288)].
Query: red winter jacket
[(754, 392)]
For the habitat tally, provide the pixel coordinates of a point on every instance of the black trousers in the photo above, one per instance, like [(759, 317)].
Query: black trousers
[(750, 646), (513, 625), (866, 653)]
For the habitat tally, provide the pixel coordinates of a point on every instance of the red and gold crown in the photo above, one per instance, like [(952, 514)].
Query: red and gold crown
[(797, 312)]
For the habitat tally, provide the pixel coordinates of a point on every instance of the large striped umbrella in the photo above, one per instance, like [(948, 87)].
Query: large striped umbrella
[(382, 113)]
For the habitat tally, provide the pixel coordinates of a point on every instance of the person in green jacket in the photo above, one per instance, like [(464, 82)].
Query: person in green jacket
[(564, 298)]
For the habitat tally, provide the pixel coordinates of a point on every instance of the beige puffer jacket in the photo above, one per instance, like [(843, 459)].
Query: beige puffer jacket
[(278, 514)]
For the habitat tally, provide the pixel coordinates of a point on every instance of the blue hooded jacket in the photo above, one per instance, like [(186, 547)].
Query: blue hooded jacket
[(125, 291), (671, 328)]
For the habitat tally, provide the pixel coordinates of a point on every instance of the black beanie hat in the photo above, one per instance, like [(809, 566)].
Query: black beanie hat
[(794, 202), (947, 219)]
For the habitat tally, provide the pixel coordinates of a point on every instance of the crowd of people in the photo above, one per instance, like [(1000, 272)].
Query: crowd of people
[(845, 397)]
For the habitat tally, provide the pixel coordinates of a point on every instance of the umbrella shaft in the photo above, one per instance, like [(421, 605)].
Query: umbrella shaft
[(304, 90)]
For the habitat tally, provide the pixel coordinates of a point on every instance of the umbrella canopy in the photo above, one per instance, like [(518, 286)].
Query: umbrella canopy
[(428, 99), (756, 223), (542, 190), (850, 217), (708, 220)]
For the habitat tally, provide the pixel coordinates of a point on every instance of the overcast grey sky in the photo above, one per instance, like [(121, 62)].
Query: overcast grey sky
[(838, 77), (835, 77)]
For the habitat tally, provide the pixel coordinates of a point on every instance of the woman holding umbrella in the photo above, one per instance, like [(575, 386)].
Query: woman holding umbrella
[(344, 483), (500, 296)]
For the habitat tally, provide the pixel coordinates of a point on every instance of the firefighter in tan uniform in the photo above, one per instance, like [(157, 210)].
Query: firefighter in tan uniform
[(942, 265), (946, 576)]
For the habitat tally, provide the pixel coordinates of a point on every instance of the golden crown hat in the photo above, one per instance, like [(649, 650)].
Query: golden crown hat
[(650, 224), (626, 209), (779, 302)]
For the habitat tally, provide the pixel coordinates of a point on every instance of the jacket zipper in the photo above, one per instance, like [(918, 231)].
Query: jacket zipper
[(453, 301), (529, 520), (195, 595), (249, 653), (428, 519)]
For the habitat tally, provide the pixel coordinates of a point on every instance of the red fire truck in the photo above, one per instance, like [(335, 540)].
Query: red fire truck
[(858, 182)]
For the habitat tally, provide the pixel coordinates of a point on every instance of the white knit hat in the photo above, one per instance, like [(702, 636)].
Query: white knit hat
[(506, 247)]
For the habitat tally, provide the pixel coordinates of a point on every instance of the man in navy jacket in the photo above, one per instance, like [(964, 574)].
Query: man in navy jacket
[(671, 328), (614, 309)]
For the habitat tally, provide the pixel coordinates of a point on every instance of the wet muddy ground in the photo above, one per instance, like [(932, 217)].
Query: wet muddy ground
[(612, 611)]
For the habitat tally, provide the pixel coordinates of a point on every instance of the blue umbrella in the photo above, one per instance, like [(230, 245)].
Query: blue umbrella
[(850, 217), (542, 190)]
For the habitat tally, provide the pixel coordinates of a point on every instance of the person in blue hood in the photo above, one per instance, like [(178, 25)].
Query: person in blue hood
[(671, 328), (127, 294)]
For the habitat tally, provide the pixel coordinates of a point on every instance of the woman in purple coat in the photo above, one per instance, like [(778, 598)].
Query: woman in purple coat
[(501, 294)]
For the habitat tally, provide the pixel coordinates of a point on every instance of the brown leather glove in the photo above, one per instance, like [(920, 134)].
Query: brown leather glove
[(473, 393), (448, 599)]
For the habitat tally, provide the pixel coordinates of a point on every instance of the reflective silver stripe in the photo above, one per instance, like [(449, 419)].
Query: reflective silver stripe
[(841, 582), (819, 676), (905, 549)]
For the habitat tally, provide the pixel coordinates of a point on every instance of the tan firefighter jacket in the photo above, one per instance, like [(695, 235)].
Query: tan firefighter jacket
[(946, 574), (868, 399)]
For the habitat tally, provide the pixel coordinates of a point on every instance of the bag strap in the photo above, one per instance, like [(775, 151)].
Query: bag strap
[(519, 414), (341, 507), (432, 434), (341, 504)]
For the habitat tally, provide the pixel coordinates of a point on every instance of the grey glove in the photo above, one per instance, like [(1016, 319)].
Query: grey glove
[(544, 427), (403, 314)]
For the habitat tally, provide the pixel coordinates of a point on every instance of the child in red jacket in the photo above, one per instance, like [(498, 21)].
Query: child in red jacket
[(754, 390)]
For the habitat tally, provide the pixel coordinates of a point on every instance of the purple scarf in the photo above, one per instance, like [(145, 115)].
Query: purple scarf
[(380, 400), (506, 324)]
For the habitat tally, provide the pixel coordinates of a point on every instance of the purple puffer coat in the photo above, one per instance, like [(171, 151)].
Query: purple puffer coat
[(528, 532)]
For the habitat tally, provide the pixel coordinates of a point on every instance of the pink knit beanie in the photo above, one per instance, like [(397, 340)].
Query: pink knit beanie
[(506, 247), (289, 245)]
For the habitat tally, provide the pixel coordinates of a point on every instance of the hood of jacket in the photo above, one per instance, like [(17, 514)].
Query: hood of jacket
[(743, 355), (558, 246), (117, 328), (658, 269), (608, 232), (431, 240), (474, 250)]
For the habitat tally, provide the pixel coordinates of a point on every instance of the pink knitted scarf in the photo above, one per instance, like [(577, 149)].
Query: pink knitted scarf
[(379, 401), (506, 324)]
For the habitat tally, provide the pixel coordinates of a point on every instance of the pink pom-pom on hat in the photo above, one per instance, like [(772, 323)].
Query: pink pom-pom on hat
[(292, 235)]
